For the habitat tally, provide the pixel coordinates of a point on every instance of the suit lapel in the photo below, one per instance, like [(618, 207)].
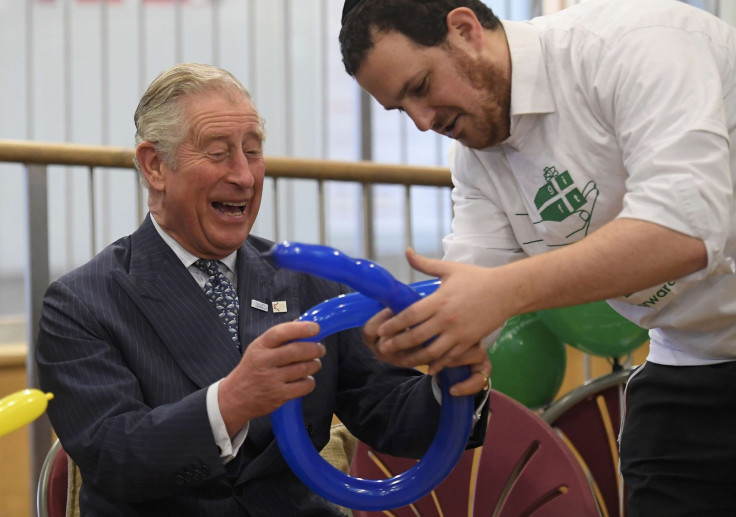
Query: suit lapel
[(177, 308), (261, 284), (189, 327)]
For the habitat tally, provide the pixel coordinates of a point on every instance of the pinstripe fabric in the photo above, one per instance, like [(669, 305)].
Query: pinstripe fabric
[(129, 343)]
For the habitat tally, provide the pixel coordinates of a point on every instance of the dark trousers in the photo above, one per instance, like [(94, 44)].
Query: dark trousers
[(678, 445)]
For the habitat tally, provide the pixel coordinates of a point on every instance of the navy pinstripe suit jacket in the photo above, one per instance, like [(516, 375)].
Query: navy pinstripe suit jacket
[(129, 343)]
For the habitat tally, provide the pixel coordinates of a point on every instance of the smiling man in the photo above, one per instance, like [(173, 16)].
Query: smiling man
[(443, 88), (593, 158), (168, 351)]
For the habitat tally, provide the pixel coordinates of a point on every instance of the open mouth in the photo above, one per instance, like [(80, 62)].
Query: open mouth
[(233, 209)]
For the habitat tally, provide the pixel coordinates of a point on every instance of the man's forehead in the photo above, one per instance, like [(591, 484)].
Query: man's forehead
[(212, 105), (389, 66)]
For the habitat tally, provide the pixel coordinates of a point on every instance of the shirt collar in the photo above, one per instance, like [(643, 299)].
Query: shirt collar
[(187, 258), (530, 87)]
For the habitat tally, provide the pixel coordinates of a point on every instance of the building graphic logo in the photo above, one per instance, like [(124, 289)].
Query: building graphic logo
[(559, 199)]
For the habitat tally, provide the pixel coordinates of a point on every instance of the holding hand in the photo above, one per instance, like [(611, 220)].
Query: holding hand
[(475, 357), (275, 368), (466, 307)]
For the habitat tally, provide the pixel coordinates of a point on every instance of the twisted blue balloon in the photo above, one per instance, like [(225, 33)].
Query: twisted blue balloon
[(378, 289)]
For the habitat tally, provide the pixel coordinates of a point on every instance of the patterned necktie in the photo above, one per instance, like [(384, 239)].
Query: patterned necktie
[(222, 294)]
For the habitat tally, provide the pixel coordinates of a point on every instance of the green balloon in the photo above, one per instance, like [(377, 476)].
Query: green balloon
[(595, 328), (528, 361)]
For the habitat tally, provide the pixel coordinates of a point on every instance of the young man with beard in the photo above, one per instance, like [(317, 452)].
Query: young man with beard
[(593, 159)]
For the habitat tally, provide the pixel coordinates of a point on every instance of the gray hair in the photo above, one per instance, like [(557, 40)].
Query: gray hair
[(160, 117)]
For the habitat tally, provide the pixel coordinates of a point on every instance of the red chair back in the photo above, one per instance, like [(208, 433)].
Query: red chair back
[(524, 469), (58, 485), (589, 419), (527, 470), (53, 483)]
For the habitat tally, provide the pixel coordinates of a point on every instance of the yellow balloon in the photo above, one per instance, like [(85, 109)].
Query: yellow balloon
[(21, 408)]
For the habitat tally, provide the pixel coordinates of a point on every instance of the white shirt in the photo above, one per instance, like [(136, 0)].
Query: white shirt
[(228, 448), (618, 109)]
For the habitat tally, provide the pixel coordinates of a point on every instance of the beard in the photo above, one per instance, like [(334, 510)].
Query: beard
[(492, 119)]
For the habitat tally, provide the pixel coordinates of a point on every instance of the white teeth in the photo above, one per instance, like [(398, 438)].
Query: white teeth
[(239, 203)]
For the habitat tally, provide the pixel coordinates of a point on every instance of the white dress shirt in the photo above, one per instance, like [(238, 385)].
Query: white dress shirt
[(619, 109)]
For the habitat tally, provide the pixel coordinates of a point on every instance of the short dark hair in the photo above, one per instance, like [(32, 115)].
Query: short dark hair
[(422, 21)]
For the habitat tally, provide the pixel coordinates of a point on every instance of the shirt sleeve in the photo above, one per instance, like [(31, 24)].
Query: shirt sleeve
[(228, 448), (481, 232), (668, 112)]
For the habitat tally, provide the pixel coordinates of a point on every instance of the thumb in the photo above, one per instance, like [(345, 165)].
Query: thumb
[(286, 332), (428, 266)]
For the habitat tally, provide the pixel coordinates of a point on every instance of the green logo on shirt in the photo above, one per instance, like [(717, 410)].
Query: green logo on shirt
[(559, 199)]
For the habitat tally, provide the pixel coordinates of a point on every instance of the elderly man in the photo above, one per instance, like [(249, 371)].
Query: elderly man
[(594, 159), (162, 396)]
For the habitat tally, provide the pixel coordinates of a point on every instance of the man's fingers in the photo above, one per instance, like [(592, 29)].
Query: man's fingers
[(297, 352), (420, 355), (470, 386), (277, 348), (439, 352), (370, 328), (297, 371), (409, 328), (479, 379), (286, 332), (299, 388), (447, 353), (431, 267)]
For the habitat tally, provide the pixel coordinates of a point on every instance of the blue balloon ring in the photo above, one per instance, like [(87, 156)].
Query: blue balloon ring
[(376, 288)]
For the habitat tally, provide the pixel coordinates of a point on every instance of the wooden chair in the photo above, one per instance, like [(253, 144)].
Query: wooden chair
[(588, 420), (524, 469)]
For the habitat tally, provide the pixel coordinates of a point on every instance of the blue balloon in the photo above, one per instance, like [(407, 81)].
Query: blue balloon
[(377, 288)]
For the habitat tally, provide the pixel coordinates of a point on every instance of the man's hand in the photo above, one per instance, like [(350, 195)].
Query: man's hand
[(480, 372), (460, 313), (275, 368), (475, 357)]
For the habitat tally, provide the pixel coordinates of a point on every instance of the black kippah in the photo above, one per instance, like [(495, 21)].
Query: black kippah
[(349, 5)]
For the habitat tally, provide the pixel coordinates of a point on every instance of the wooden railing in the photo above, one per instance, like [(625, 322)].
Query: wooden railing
[(20, 151)]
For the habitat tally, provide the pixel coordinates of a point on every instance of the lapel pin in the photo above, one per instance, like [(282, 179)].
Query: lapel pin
[(279, 306), (259, 305)]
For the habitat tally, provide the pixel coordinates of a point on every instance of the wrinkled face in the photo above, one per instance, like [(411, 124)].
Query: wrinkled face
[(447, 89), (210, 201)]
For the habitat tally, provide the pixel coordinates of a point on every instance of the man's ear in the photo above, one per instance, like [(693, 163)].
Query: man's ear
[(463, 27), (150, 164)]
